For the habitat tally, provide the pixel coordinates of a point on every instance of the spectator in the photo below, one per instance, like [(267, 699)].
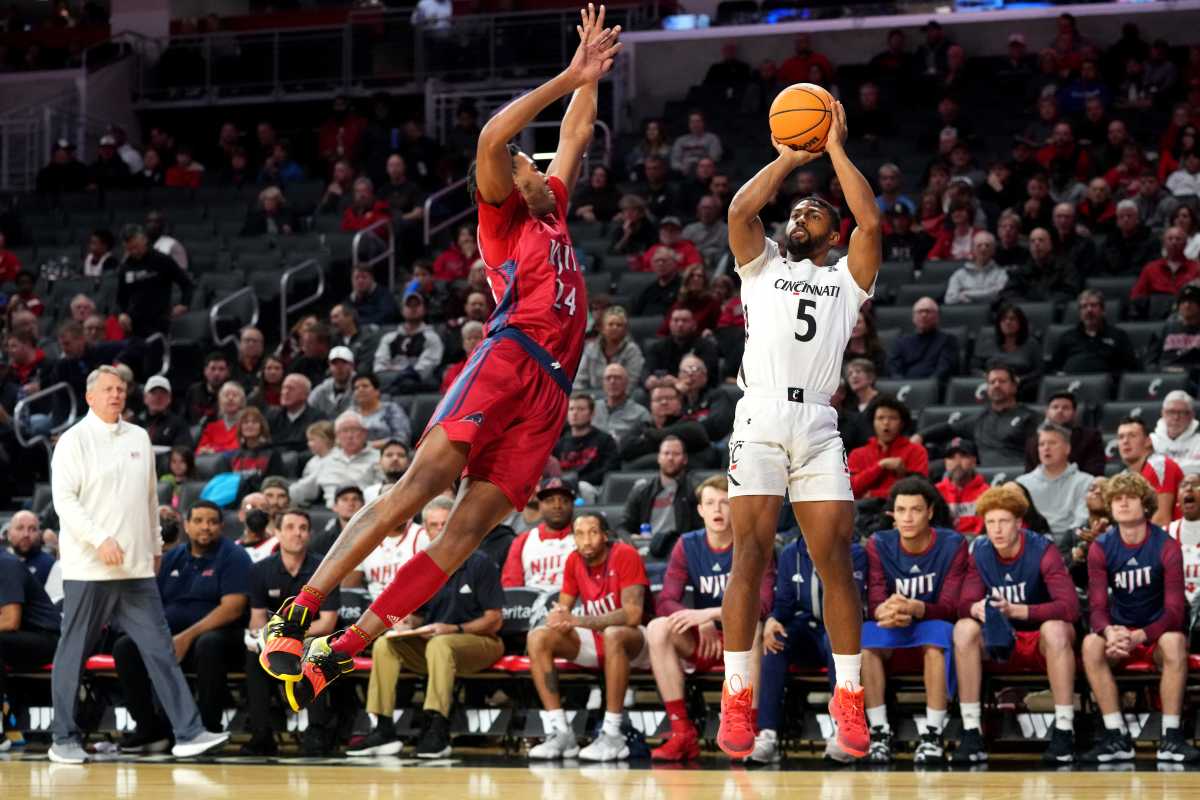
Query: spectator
[(619, 415), (290, 420), (653, 144), (319, 438), (351, 463), (890, 182), (461, 138), (151, 175), (1169, 274), (1087, 446), (1093, 345), (798, 68), (708, 233), (347, 501), (76, 359), (1180, 350), (1000, 430), (1013, 344), (981, 280), (1130, 245), (436, 295), (1097, 212), (904, 243), (472, 335), (1184, 218), (610, 580), (887, 456), (25, 359), (596, 201), (340, 136), (455, 262), (29, 621), (893, 67), (278, 168), (1177, 435), (536, 558), (915, 575), (661, 295), (1136, 607), (393, 463), (312, 362), (1185, 181), (926, 353), (258, 528), (201, 399), (1154, 204), (612, 346), (365, 210), (709, 405), (421, 153), (663, 356), (1136, 450), (870, 121), (636, 232), (185, 173), (961, 486), (404, 198), (266, 394), (957, 240), (694, 145), (1079, 250), (65, 173), (340, 191), (272, 217), (25, 538), (663, 502), (334, 395), (220, 432), (1058, 488), (99, 259), (347, 332), (144, 286), (729, 76), (1161, 73), (666, 419), (156, 223), (384, 419), (853, 421), (414, 350), (254, 454), (109, 171), (373, 303), (278, 576), (695, 296), (165, 427)]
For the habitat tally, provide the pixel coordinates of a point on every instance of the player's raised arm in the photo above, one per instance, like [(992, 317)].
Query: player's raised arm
[(575, 135), (866, 242), (594, 57), (745, 228)]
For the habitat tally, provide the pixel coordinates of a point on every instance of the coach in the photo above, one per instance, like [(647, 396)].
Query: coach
[(104, 490)]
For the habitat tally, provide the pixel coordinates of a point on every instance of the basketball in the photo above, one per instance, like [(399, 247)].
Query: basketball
[(801, 115)]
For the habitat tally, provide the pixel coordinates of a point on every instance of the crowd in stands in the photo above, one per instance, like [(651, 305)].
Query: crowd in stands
[(1087, 213)]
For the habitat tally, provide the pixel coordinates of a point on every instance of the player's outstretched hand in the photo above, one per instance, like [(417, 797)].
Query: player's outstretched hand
[(838, 130), (598, 46), (797, 158)]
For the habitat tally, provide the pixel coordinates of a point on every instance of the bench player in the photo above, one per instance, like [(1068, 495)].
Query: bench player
[(503, 415), (800, 311)]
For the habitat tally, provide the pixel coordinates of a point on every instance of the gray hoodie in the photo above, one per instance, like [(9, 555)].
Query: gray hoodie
[(972, 283), (1062, 500)]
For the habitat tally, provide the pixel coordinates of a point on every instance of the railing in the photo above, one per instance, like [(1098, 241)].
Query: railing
[(389, 253), (25, 403), (214, 315), (161, 339), (431, 230), (285, 281)]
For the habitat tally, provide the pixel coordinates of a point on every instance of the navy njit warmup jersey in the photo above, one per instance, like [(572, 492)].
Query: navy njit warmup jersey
[(917, 576), (1135, 576), (807, 591), (1019, 581), (708, 569)]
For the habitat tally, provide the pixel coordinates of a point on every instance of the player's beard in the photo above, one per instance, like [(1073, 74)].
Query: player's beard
[(798, 250)]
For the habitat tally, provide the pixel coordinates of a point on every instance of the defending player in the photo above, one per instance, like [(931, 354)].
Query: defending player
[(1021, 575), (503, 415), (799, 315)]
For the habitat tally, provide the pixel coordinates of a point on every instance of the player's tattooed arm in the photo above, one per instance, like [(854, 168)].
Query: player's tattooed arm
[(630, 612)]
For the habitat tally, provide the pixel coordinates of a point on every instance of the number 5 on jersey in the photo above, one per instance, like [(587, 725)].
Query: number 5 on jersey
[(810, 323)]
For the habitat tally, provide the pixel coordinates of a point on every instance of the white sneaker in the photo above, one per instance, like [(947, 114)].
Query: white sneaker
[(606, 748), (5, 743), (834, 752), (559, 744), (68, 753), (199, 745), (766, 749)]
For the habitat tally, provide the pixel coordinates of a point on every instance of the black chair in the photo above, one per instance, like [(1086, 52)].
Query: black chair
[(963, 391), (971, 316), (1000, 474), (1150, 386), (1092, 389), (910, 293), (936, 415), (618, 485), (643, 329), (210, 464), (631, 284), (423, 406), (192, 326), (1111, 414), (916, 393), (939, 271)]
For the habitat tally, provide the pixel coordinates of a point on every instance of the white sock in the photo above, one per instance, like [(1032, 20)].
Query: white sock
[(935, 718), (737, 669), (1115, 722), (1064, 718), (877, 718), (767, 733), (558, 720), (971, 714), (612, 723), (847, 671), (1170, 721)]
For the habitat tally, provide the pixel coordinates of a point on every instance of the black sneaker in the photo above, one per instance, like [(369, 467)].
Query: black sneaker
[(970, 749), (1114, 746), (381, 741), (436, 741), (1173, 747), (881, 746), (931, 750), (260, 745), (1062, 747), (317, 743), (149, 741)]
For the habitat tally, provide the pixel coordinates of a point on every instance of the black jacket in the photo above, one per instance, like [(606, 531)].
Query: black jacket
[(640, 502), (256, 222), (714, 410), (1000, 436), (144, 291), (1111, 350), (590, 457), (289, 435), (167, 429), (663, 356), (647, 440)]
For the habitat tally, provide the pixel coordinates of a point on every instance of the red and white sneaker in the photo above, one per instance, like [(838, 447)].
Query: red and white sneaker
[(680, 747), (736, 734), (846, 708)]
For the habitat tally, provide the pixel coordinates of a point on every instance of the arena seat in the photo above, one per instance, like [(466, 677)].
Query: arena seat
[(910, 293), (950, 414), (644, 329), (897, 317), (975, 318), (192, 326), (618, 485), (1145, 337), (964, 391), (422, 409), (1040, 316), (209, 464), (916, 393), (939, 271), (1112, 413), (1002, 473), (1150, 386), (1092, 389), (632, 283)]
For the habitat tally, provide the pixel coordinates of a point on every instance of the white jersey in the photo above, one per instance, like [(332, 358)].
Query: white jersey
[(393, 552), (798, 322), (1188, 535)]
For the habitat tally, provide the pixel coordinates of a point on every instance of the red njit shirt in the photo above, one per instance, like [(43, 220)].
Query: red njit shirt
[(598, 589)]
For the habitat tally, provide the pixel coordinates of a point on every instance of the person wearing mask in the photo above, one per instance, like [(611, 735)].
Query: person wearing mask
[(887, 456), (1087, 445), (100, 260), (660, 295), (1047, 275), (1057, 487), (258, 534), (619, 414), (663, 503), (1000, 430), (635, 233), (1177, 434), (144, 286), (928, 352), (1136, 450), (254, 456)]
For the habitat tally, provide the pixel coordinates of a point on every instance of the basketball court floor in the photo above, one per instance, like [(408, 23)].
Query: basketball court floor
[(512, 779)]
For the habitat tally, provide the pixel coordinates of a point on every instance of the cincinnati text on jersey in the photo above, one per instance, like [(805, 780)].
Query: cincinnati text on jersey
[(804, 287)]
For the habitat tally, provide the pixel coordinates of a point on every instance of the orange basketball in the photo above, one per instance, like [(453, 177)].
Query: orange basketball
[(801, 115)]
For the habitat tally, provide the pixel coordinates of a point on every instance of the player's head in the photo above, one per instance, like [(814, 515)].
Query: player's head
[(1002, 510), (1133, 440), (889, 418), (912, 500), (1131, 499), (812, 228), (712, 497), (529, 180), (591, 536)]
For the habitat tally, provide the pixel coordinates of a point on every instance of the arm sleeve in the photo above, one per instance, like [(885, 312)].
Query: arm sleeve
[(954, 294), (972, 590), (1098, 616), (66, 478), (946, 605), (1064, 602), (383, 352), (1174, 600), (674, 581), (877, 590), (513, 574)]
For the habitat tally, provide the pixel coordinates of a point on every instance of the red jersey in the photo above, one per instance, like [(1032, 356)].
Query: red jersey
[(1164, 475), (598, 589), (535, 280)]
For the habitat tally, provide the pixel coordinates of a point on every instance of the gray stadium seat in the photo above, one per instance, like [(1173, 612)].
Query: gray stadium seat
[(642, 329), (1040, 316), (910, 293), (1111, 414), (1001, 474), (916, 393), (895, 317), (939, 271), (1146, 338), (618, 485), (963, 391), (632, 283), (209, 464), (192, 326), (1092, 389), (1150, 386), (975, 318), (936, 415), (423, 406)]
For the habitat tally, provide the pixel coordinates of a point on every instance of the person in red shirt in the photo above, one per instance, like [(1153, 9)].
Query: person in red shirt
[(1164, 474), (797, 68), (696, 296), (1064, 152), (962, 485), (365, 210), (670, 234), (185, 173), (455, 262), (10, 265), (888, 455), (609, 582), (537, 557), (1169, 274), (220, 433), (25, 295), (340, 136), (24, 356), (498, 424)]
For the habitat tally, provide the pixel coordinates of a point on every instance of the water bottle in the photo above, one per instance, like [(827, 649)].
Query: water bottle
[(644, 530)]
